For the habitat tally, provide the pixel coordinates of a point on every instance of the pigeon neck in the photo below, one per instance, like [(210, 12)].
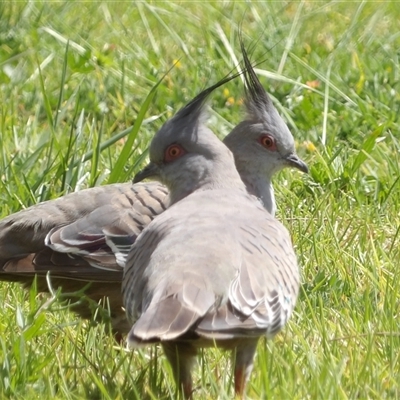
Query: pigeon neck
[(219, 176), (263, 189)]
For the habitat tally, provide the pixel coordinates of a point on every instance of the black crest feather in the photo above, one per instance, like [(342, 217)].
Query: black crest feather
[(256, 98), (195, 107)]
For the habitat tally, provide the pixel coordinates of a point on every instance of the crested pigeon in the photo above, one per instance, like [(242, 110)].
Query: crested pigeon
[(216, 268), (74, 234), (87, 217)]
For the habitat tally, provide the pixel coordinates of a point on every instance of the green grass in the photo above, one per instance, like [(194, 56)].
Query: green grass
[(74, 80)]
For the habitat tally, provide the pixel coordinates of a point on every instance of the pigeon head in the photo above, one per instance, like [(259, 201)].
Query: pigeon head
[(262, 144), (185, 155)]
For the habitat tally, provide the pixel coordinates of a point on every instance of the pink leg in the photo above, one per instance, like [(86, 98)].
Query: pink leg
[(244, 365), (181, 357)]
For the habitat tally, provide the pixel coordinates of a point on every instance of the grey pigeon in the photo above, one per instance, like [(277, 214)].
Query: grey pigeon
[(216, 268), (75, 235), (87, 218)]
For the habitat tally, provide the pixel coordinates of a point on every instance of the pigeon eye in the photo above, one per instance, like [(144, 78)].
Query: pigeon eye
[(173, 152), (268, 142)]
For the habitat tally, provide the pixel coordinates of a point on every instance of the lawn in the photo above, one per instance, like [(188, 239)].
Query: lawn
[(82, 92)]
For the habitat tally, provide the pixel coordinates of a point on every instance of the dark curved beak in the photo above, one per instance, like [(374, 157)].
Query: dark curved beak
[(150, 171), (296, 162)]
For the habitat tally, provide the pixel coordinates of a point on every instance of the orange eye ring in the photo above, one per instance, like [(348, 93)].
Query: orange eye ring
[(173, 152), (268, 142)]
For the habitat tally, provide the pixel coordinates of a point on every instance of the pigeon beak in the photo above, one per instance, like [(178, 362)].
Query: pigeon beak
[(150, 171), (293, 160)]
